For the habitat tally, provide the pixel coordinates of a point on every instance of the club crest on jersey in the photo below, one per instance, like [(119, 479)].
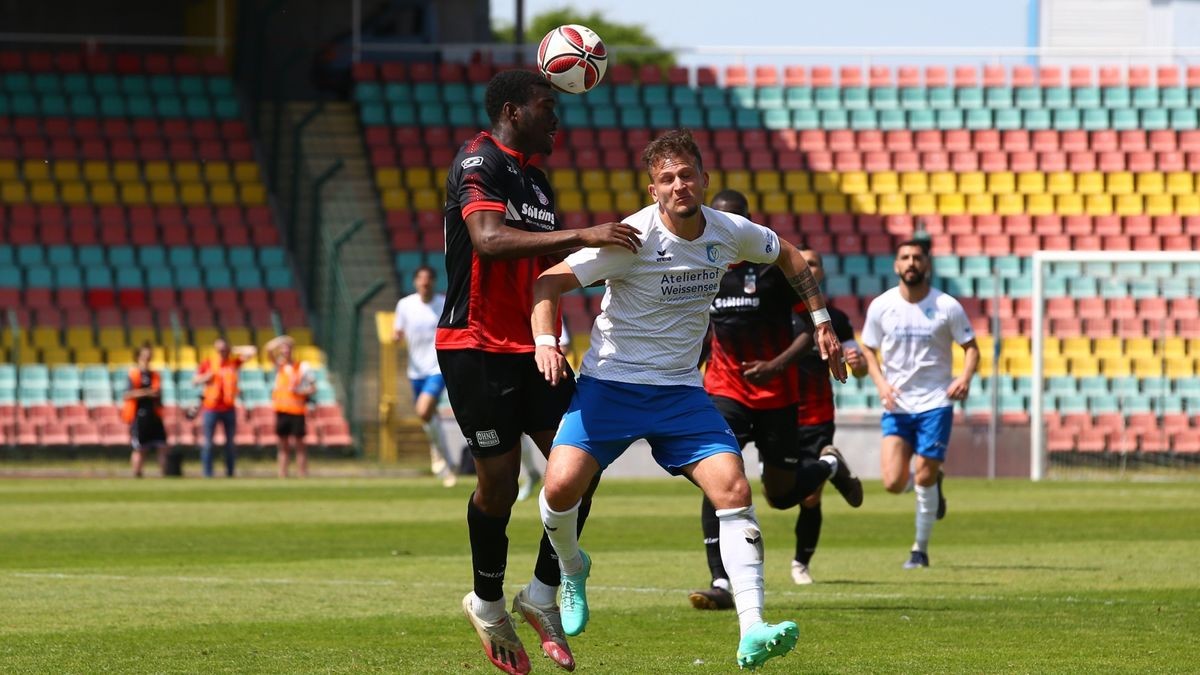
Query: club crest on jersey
[(471, 161), (541, 195), (712, 252)]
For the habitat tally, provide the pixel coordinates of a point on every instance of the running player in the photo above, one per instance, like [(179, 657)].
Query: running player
[(915, 327), (500, 226), (639, 379)]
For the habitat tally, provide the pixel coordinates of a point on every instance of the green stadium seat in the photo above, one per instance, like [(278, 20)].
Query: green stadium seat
[(777, 119), (402, 114), (1124, 386), (113, 105), (684, 96), (742, 97), (1137, 404), (1188, 387), (187, 277), (1145, 97), (1087, 98), (68, 277), (863, 119), (712, 96), (998, 98), (211, 256), (979, 118), (1071, 404), (798, 97), (1100, 404), (1056, 98), (1115, 97), (1067, 119), (770, 98), (180, 256), (1082, 287), (827, 98), (575, 117), (942, 97), (923, 120), (1183, 119), (1028, 97), (30, 254), (691, 118), (192, 85), (54, 105), (656, 95), (23, 104), (891, 120), (914, 98), (430, 113), (226, 108), (248, 277), (976, 266), (1124, 119), (633, 117), (1006, 119), (1062, 385), (719, 118), (744, 118), (39, 276), (171, 106), (461, 114), (1114, 288), (885, 98), (855, 98), (604, 117), (626, 95), (140, 106), (455, 92), (364, 92), (279, 278), (163, 85), (60, 255), (970, 98), (122, 256), (218, 277), (398, 92), (838, 285), (479, 93), (158, 277), (1095, 119), (132, 85), (373, 114), (834, 119), (1036, 119), (83, 105), (1173, 97), (129, 277), (36, 374), (1008, 266), (988, 287), (806, 119)]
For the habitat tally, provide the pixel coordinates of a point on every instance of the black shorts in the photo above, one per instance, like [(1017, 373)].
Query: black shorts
[(773, 431), (288, 425), (813, 438), (498, 397), (147, 431)]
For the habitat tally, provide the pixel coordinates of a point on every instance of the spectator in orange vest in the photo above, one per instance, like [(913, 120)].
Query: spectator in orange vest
[(293, 387), (142, 410), (219, 377)]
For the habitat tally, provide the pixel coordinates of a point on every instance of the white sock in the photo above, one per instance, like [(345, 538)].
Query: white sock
[(437, 440), (832, 461), (562, 527), (529, 450), (927, 501), (742, 554), (490, 611), (912, 481), (722, 584), (539, 593)]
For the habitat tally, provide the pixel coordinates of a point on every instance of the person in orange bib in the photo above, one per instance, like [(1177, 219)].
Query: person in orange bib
[(142, 410), (293, 387), (219, 377)]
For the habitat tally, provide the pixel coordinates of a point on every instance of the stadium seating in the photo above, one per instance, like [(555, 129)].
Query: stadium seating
[(132, 209)]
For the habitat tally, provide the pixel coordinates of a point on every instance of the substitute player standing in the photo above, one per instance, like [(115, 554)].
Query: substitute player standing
[(751, 382), (915, 327), (500, 226), (639, 378)]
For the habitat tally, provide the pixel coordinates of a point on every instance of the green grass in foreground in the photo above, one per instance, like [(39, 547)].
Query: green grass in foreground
[(366, 575)]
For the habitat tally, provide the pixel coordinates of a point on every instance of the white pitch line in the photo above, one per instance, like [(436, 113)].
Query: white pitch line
[(651, 590)]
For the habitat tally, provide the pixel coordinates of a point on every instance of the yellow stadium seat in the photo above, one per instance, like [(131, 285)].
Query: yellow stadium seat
[(1010, 204), (387, 177), (1187, 205), (1139, 347), (951, 204), (804, 202), (1016, 344), (1050, 345), (252, 194), (775, 202), (94, 171), (1089, 183), (1001, 183), (56, 356), (625, 179), (797, 181), (738, 180), (79, 337), (103, 194), (972, 183), (1098, 205), (1179, 183), (1084, 366), (111, 338), (302, 336), (133, 193), (630, 201), (716, 180), (74, 192), (246, 172), (203, 338), (834, 203), (186, 172), (1150, 183), (8, 170), (593, 179), (395, 199), (1019, 365), (120, 357), (35, 169), (195, 194), (126, 172), (1076, 346), (414, 178), (914, 182), (599, 200), (1129, 205), (185, 357), (13, 192), (423, 200), (164, 193), (141, 335), (1031, 182), (1060, 182), (885, 182), (922, 204), (1148, 367), (1069, 204), (1173, 347), (1160, 205), (863, 203), (158, 358), (892, 204), (1054, 366), (64, 170), (980, 204), (564, 179), (216, 172), (239, 335), (222, 194), (43, 192), (88, 356), (570, 200), (28, 356), (1119, 183), (943, 182), (1107, 347), (44, 337), (752, 202), (312, 355), (1117, 366), (826, 182), (1180, 366), (768, 181), (155, 172), (854, 182)]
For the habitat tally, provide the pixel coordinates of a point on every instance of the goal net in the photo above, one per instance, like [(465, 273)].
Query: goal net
[(1115, 387)]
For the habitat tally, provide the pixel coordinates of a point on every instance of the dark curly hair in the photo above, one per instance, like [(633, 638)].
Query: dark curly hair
[(675, 143), (510, 86)]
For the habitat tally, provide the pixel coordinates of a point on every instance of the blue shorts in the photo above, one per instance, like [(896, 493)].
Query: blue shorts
[(680, 422), (927, 432), (432, 385)]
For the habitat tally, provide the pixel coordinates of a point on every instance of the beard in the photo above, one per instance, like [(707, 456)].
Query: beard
[(689, 211), (913, 278)]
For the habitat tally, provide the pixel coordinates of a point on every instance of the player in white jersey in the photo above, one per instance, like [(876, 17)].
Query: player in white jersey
[(914, 328), (639, 378), (416, 324)]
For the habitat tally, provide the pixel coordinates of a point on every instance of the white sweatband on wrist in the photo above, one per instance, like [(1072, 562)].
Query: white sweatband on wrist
[(545, 340), (820, 316)]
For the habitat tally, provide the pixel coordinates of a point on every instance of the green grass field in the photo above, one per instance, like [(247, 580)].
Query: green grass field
[(366, 575)]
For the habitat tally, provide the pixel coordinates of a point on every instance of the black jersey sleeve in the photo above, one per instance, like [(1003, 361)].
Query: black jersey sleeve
[(480, 173)]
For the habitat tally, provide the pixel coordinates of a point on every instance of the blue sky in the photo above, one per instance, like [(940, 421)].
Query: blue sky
[(840, 23)]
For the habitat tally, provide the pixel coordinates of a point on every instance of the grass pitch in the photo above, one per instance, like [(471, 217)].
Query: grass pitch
[(366, 575)]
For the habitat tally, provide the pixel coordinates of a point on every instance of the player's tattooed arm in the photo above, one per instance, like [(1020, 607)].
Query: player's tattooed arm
[(806, 287)]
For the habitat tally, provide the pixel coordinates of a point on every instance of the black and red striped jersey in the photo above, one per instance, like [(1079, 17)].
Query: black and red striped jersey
[(816, 387), (489, 302)]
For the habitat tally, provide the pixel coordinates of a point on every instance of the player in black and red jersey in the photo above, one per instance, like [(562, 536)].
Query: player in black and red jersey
[(752, 383), (500, 227)]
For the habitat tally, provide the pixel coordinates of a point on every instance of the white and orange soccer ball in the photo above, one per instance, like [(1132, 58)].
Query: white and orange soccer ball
[(573, 58)]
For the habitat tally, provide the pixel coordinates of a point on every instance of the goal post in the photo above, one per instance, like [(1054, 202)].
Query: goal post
[(1039, 457)]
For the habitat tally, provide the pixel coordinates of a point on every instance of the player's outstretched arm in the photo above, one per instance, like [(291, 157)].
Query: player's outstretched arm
[(798, 274), (547, 291), (961, 386), (493, 239)]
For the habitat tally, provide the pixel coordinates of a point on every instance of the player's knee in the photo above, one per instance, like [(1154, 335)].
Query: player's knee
[(812, 501), (735, 494), (895, 485)]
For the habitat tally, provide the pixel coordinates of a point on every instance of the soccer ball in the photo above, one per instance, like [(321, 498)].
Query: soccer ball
[(573, 58)]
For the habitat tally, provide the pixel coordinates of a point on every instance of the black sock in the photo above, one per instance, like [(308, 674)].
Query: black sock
[(808, 532), (489, 551), (546, 568), (711, 526), (809, 477)]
